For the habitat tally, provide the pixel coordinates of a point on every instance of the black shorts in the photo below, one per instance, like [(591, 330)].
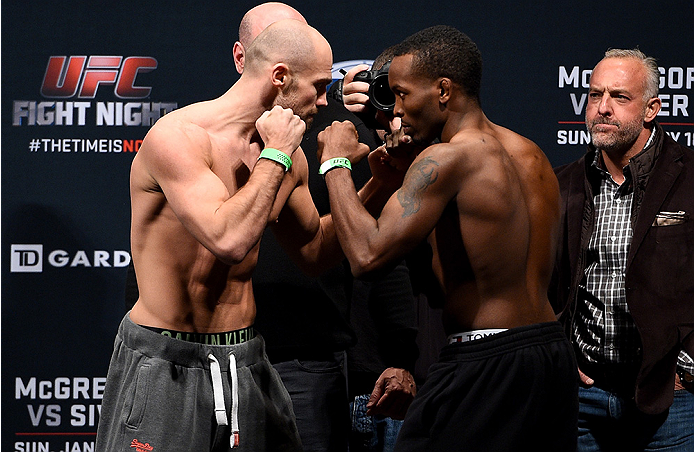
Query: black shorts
[(513, 391)]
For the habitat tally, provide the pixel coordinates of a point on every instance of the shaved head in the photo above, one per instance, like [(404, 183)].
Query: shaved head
[(288, 41), (258, 18), (292, 62)]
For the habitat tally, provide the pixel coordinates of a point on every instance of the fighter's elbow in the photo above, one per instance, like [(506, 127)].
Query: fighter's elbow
[(231, 252), (229, 257), (315, 263), (365, 266)]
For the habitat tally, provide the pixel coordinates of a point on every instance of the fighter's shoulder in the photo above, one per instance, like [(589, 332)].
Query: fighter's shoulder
[(175, 130), (476, 140), (467, 148)]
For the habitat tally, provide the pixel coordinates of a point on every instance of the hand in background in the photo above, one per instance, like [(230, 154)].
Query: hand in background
[(392, 394)]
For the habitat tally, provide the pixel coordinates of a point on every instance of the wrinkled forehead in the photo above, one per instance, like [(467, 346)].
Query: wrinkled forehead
[(619, 73)]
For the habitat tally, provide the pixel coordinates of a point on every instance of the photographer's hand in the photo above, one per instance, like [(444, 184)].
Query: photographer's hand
[(355, 94)]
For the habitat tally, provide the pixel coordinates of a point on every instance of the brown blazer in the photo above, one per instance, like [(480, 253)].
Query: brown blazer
[(660, 265)]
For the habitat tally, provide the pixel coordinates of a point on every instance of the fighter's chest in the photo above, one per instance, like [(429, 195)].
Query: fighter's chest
[(236, 174)]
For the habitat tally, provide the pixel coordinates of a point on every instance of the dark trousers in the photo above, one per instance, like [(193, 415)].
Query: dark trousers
[(318, 390)]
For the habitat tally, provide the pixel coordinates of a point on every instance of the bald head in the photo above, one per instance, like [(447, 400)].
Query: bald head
[(290, 64), (258, 18), (294, 43), (255, 21)]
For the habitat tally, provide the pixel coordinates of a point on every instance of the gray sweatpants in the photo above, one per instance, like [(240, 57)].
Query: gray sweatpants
[(160, 396)]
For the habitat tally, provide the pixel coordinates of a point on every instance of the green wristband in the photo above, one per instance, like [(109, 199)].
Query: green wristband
[(339, 162), (276, 156)]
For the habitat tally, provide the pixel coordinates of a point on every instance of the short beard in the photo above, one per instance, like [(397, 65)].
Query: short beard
[(625, 136), (287, 99)]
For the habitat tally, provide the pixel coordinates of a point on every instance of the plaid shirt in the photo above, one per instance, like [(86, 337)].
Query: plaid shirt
[(604, 329)]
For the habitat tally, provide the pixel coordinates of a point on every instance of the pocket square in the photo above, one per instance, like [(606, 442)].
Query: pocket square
[(670, 218)]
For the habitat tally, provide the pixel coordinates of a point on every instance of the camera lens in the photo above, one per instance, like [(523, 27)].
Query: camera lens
[(380, 94)]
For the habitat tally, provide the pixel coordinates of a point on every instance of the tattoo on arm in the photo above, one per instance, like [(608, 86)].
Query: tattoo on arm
[(418, 179)]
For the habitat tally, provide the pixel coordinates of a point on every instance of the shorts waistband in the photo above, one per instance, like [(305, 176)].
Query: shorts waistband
[(234, 337), (506, 341), (474, 335), (184, 353)]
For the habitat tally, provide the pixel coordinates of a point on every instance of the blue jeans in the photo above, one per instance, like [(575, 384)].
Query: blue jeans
[(318, 389), (371, 433), (608, 422)]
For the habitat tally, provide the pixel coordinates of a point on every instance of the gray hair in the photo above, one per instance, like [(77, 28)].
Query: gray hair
[(649, 64)]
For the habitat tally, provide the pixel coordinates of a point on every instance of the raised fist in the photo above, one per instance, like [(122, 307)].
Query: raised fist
[(281, 129)]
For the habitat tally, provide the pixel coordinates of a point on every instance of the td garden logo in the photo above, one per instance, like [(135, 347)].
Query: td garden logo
[(29, 258)]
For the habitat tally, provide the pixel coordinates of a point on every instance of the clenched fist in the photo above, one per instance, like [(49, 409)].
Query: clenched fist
[(281, 129), (341, 139)]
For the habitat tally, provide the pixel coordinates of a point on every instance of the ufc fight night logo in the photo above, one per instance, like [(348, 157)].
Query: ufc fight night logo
[(83, 75), (77, 80)]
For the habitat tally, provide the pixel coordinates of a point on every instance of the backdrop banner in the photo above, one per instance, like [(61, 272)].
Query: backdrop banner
[(82, 83)]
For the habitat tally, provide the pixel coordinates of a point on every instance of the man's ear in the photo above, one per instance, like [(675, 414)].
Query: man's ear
[(239, 57), (652, 109), (280, 75), (444, 87)]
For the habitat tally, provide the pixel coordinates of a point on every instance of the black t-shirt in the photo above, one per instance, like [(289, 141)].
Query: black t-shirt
[(300, 316)]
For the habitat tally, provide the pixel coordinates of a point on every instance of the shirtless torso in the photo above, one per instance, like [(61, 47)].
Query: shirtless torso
[(183, 285), (486, 198), (495, 240), (201, 199)]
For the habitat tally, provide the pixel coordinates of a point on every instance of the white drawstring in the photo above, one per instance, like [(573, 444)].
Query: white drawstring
[(234, 440), (218, 392), (220, 410)]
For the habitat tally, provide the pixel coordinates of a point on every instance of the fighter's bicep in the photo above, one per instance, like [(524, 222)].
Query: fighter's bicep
[(415, 208), (193, 191)]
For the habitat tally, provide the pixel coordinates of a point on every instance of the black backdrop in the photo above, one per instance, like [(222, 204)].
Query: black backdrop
[(66, 150)]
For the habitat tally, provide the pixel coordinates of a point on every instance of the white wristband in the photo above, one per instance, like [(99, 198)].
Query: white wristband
[(339, 162)]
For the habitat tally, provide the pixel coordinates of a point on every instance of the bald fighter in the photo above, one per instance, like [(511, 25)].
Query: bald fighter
[(188, 371)]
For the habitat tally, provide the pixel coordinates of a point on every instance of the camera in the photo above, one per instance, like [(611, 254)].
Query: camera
[(380, 95)]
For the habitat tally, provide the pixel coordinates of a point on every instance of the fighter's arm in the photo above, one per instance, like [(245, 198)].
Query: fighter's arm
[(473, 170), (309, 239), (407, 218), (228, 224)]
